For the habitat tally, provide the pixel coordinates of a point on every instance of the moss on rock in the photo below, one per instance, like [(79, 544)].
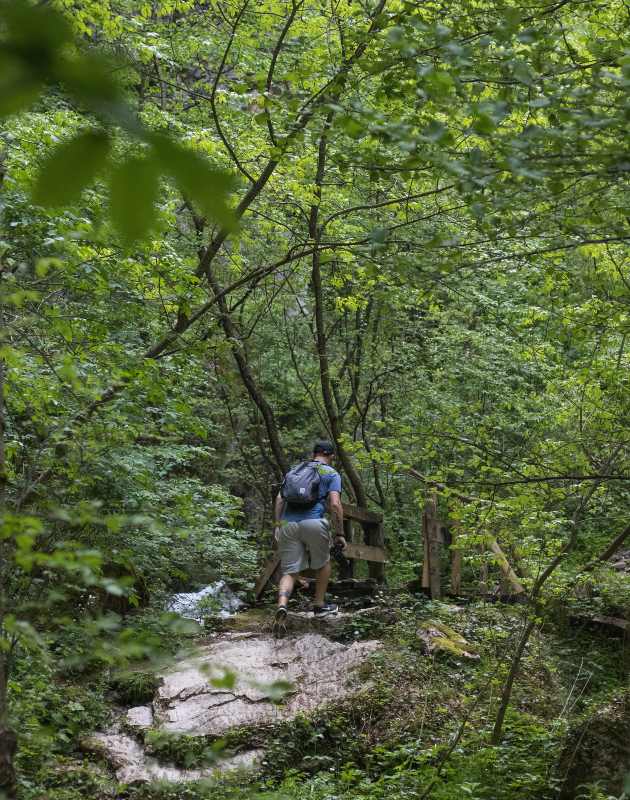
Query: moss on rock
[(442, 640), (253, 620)]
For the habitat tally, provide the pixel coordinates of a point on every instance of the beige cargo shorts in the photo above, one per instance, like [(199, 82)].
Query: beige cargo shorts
[(297, 539)]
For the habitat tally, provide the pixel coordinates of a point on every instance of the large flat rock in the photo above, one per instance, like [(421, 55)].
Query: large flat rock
[(320, 670), (187, 701)]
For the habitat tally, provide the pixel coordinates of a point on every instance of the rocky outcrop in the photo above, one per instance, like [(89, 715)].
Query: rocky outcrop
[(232, 683), (318, 670), (621, 561), (139, 718)]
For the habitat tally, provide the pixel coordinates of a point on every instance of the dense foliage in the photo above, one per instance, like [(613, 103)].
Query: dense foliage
[(424, 259)]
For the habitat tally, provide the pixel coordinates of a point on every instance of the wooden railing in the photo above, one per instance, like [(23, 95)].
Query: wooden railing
[(371, 550)]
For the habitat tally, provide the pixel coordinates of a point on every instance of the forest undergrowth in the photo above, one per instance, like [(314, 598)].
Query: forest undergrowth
[(388, 741)]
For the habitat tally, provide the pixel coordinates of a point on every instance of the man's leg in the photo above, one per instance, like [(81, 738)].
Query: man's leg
[(285, 588), (284, 592), (322, 576)]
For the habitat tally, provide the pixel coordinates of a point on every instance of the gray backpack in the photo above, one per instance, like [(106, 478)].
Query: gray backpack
[(301, 485)]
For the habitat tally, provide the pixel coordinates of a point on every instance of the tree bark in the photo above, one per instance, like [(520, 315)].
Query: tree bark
[(8, 737), (432, 550), (516, 660), (497, 731), (248, 379), (322, 348)]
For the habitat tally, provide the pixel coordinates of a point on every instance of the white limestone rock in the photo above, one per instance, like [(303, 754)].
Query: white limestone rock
[(118, 748), (320, 670), (140, 718), (133, 765), (187, 702)]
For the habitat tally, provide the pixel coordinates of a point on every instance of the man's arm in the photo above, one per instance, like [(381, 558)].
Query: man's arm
[(336, 512), (279, 510)]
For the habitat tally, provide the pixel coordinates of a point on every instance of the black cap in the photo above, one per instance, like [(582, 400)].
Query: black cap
[(327, 448)]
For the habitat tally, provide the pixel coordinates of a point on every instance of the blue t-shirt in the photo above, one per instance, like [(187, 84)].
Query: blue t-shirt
[(329, 481)]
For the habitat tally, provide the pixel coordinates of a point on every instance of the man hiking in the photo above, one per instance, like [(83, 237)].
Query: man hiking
[(303, 529)]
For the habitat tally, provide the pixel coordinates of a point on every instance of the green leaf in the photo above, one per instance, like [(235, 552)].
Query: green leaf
[(226, 682), (435, 131), (204, 185), (34, 26), (133, 189), (18, 88), (483, 124), (70, 168), (354, 129), (31, 37), (90, 79), (380, 234)]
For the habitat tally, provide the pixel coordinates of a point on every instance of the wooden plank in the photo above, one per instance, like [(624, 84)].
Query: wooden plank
[(506, 570), (348, 588), (456, 560), (264, 577), (518, 558), (444, 534), (506, 536), (434, 553), (483, 571), (361, 514), (364, 552), (504, 583), (622, 624)]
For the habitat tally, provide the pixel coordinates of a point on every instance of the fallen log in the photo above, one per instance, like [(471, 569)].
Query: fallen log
[(616, 626), (506, 570)]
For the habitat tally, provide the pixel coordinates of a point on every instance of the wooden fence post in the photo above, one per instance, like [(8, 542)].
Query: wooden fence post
[(374, 537), (504, 583), (434, 553), (350, 571)]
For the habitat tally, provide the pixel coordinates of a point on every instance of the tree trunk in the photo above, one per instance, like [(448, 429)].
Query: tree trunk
[(516, 660), (248, 380), (8, 737), (322, 348), (433, 550), (509, 683)]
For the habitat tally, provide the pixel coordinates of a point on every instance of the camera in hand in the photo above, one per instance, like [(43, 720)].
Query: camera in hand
[(336, 552)]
